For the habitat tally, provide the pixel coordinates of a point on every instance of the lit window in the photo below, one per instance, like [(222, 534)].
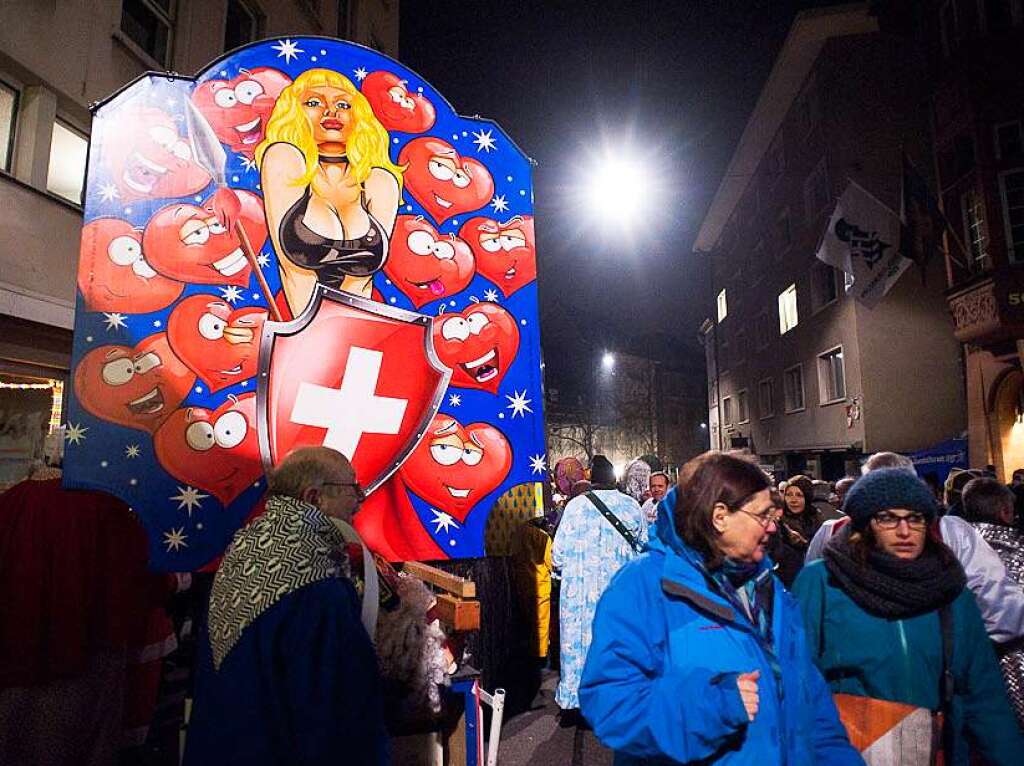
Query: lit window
[(793, 388), (241, 25), (727, 411), (742, 411), (68, 150), (973, 210), (766, 398), (831, 376), (1012, 187), (723, 307), (149, 24), (8, 113), (787, 310)]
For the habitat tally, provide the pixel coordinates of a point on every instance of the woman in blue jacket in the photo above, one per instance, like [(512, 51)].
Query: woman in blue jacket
[(872, 610), (698, 651)]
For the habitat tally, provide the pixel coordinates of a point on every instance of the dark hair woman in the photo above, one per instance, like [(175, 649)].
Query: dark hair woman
[(698, 653), (800, 521), (888, 618)]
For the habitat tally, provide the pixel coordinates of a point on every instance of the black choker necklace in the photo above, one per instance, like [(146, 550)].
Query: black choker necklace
[(334, 159)]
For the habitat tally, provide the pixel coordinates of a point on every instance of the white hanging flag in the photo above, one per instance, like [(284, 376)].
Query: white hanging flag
[(862, 239)]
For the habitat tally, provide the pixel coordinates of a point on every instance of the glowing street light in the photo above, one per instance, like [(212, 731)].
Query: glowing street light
[(608, 361)]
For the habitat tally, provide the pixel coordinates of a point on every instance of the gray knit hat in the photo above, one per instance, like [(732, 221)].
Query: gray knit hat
[(885, 489)]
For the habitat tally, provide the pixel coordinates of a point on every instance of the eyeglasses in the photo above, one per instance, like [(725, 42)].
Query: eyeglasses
[(764, 519), (350, 484), (886, 520)]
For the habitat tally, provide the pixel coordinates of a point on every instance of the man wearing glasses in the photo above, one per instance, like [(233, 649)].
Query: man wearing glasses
[(287, 672)]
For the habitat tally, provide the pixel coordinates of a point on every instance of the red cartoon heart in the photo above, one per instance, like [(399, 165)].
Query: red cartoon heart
[(217, 451), (426, 265), (395, 107), (505, 252), (113, 274), (135, 387), (188, 243), (146, 156), (455, 466), (442, 181), (238, 109), (219, 343), (479, 344)]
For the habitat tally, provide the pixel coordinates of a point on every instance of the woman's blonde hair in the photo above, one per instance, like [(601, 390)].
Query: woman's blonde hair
[(367, 144)]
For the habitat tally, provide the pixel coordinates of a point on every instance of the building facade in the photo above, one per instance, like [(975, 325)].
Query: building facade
[(976, 98), (56, 59), (805, 377)]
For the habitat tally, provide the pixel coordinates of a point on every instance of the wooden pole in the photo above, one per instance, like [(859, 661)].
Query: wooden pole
[(250, 256)]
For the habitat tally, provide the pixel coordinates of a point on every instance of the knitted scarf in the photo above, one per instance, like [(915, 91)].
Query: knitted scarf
[(890, 587)]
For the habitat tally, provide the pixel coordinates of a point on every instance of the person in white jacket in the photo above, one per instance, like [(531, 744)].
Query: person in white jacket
[(999, 597)]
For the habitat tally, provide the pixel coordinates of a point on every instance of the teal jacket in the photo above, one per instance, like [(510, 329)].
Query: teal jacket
[(901, 661), (659, 685)]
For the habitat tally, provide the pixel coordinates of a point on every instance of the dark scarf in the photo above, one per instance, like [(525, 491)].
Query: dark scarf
[(894, 588)]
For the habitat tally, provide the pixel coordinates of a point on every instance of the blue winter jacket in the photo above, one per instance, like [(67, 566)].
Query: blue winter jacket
[(659, 685)]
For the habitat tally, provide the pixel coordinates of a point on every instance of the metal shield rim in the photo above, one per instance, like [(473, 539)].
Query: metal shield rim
[(272, 330)]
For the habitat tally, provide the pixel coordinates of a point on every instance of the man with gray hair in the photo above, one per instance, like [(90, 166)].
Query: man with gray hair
[(1000, 599), (287, 673)]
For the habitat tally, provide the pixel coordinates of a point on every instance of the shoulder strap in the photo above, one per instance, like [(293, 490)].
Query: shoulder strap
[(946, 680), (615, 521)]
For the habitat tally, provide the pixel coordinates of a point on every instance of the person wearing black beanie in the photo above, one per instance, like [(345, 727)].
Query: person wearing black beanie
[(874, 610)]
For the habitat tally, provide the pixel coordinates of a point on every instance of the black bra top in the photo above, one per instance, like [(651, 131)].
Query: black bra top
[(332, 259)]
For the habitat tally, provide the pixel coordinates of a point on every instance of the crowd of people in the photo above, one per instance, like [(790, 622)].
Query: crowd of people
[(712, 616)]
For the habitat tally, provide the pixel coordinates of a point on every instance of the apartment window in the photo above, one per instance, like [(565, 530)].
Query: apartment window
[(816, 191), (793, 388), (1009, 141), (66, 173), (787, 310), (8, 115), (824, 285), (972, 207), (727, 411), (1012, 187), (742, 411), (149, 24), (831, 376), (241, 26), (723, 306), (766, 398)]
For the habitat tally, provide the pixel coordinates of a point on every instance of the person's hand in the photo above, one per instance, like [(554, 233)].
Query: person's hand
[(226, 205), (747, 683)]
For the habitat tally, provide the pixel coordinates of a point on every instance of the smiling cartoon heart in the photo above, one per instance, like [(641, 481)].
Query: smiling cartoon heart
[(136, 387), (188, 243), (479, 344), (505, 252), (113, 274), (217, 451), (455, 466), (426, 265), (442, 181), (146, 157), (219, 343), (395, 107), (238, 109)]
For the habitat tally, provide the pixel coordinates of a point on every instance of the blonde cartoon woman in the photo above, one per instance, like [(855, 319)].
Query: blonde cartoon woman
[(330, 190)]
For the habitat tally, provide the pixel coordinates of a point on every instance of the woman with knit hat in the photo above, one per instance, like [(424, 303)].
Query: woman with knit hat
[(898, 637)]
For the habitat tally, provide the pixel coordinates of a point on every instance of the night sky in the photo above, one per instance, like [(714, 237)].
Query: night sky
[(565, 79)]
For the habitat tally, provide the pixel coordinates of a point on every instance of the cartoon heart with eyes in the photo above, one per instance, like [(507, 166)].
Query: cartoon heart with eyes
[(219, 343), (146, 156), (188, 243), (505, 252), (426, 265), (217, 451), (479, 344), (444, 183), (455, 466), (135, 387), (113, 274), (238, 109), (395, 107)]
